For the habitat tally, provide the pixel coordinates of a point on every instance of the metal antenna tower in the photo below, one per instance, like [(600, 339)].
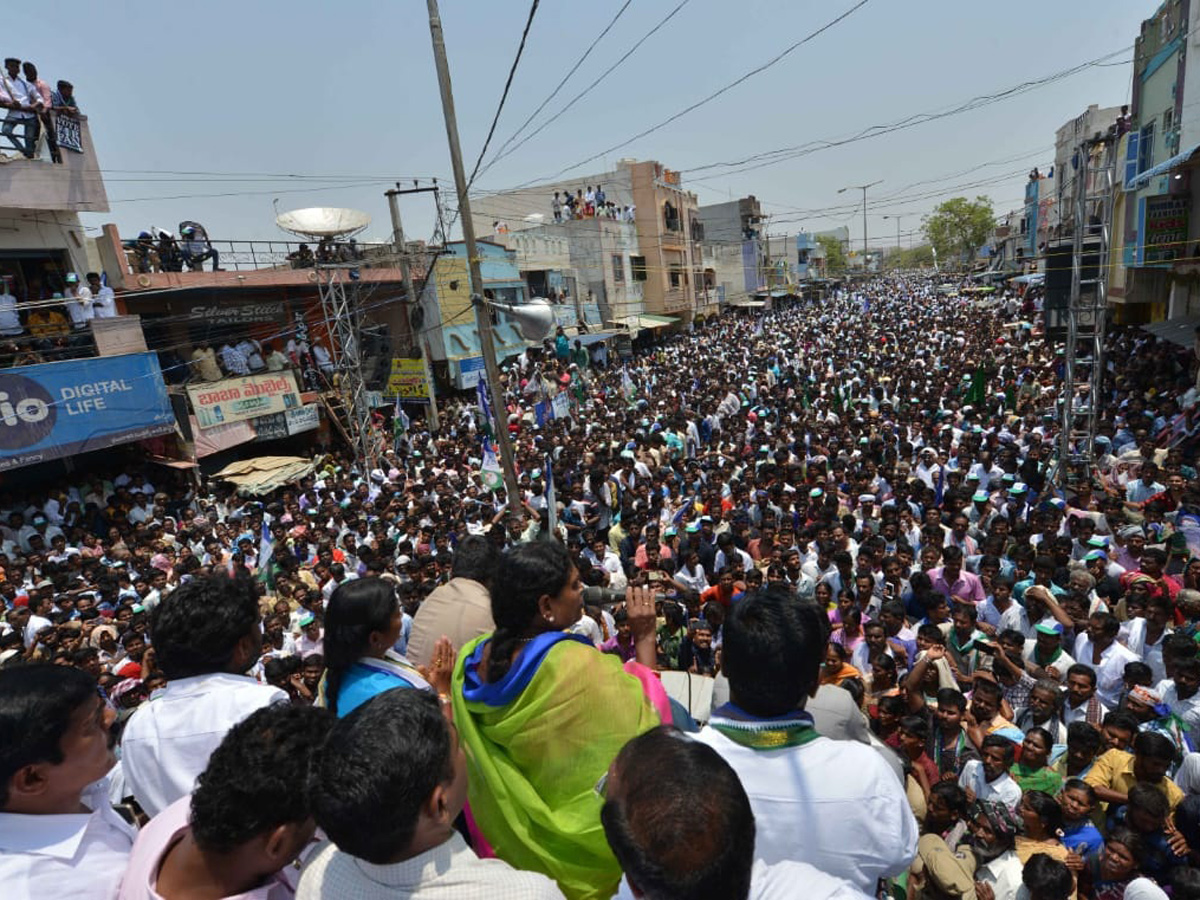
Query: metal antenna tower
[(1087, 311), (347, 403)]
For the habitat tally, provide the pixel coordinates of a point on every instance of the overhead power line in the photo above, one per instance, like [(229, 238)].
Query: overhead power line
[(554, 93), (715, 94), (507, 84), (587, 90)]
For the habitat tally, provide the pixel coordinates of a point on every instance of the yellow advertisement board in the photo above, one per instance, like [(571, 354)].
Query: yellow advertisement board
[(407, 380)]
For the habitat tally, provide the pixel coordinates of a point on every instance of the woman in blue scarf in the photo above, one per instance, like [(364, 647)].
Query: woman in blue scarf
[(362, 625)]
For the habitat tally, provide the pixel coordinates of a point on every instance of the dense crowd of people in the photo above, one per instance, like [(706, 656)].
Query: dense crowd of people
[(795, 605)]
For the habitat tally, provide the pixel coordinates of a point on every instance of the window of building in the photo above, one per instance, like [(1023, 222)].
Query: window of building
[(1146, 148), (677, 275), (618, 264), (637, 265), (671, 219), (1168, 120)]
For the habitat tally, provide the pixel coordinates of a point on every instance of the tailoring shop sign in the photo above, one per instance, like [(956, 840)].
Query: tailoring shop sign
[(244, 397), (408, 381), (60, 409)]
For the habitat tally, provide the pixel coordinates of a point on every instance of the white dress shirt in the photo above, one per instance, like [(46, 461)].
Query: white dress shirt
[(782, 881), (832, 804), (170, 737), (1188, 710), (1002, 790), (10, 319), (80, 855), (1003, 875), (1110, 672), (105, 303), (450, 870)]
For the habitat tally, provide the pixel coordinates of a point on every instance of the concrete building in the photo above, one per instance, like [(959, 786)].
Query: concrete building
[(1153, 226), (1040, 201), (583, 264), (446, 316), (41, 237), (736, 226), (810, 258), (667, 264), (1091, 123)]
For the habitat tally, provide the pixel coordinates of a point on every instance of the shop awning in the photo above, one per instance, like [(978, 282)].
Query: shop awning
[(594, 337), (266, 473), (645, 320), (630, 322), (1144, 178), (1177, 331)]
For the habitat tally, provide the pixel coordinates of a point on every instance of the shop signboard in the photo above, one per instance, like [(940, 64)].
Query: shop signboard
[(59, 409), (244, 397)]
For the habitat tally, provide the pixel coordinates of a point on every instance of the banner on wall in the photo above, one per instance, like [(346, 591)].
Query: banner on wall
[(245, 397), (59, 409), (408, 380)]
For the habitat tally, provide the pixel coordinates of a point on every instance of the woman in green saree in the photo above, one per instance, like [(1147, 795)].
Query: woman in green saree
[(1033, 772), (542, 714)]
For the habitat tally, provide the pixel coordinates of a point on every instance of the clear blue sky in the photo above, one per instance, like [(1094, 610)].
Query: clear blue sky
[(349, 92)]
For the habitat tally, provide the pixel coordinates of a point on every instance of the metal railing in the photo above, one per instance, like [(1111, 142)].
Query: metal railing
[(244, 256)]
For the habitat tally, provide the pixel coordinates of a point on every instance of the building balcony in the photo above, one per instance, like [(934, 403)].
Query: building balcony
[(134, 266), (75, 185)]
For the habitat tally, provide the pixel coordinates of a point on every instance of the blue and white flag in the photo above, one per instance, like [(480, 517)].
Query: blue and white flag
[(400, 421), (551, 499), (488, 423), (490, 472), (627, 388)]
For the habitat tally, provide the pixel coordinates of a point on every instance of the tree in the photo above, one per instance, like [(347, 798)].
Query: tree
[(959, 227), (835, 254), (910, 258)]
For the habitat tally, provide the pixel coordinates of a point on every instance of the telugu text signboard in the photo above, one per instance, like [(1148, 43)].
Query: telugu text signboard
[(245, 397), (408, 380), (305, 418), (60, 409)]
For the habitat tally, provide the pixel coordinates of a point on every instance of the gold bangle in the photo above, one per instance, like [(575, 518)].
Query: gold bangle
[(444, 698)]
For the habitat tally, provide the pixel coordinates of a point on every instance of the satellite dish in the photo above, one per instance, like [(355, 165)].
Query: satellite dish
[(318, 222)]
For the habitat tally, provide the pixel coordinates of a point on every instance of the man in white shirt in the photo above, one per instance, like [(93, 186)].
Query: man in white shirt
[(78, 301), (987, 778), (59, 835), (104, 300), (206, 634), (1097, 648), (835, 805), (661, 776), (10, 319), (1182, 692), (392, 834), (23, 97)]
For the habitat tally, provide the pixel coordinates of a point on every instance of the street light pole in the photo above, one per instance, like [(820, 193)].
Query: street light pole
[(863, 188), (897, 218), (483, 319)]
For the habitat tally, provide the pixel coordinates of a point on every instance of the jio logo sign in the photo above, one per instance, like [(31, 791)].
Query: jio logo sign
[(27, 412)]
